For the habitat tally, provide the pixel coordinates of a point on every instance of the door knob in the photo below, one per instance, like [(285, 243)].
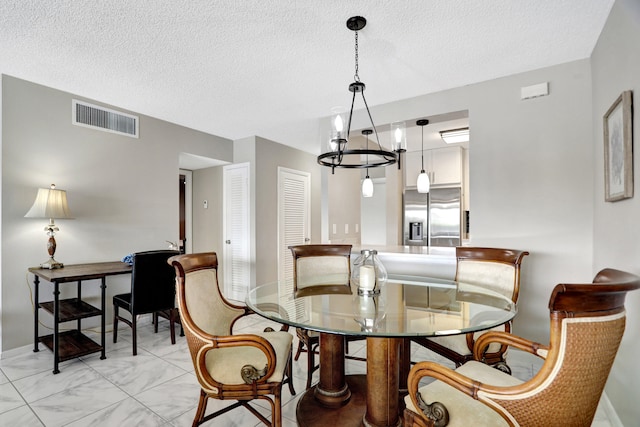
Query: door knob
[(228, 242)]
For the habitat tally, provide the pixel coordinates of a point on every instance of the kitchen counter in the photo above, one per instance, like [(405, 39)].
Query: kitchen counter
[(438, 262)]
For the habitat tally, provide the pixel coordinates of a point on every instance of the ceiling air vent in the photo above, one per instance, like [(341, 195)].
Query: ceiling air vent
[(96, 117)]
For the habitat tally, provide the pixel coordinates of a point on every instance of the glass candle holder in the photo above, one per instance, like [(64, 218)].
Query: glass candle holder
[(368, 273)]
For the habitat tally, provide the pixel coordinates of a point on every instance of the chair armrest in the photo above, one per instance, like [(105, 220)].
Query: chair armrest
[(411, 419), (439, 372), (505, 338), (471, 387), (207, 343)]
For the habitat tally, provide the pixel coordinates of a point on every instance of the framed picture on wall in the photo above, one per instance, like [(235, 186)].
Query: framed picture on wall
[(618, 149)]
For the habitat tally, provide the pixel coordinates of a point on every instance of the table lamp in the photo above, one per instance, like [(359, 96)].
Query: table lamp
[(50, 203)]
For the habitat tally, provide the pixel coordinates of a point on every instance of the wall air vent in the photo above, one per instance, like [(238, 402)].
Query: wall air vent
[(96, 117)]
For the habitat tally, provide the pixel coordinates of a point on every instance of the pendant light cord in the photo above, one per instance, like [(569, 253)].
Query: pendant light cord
[(422, 152)]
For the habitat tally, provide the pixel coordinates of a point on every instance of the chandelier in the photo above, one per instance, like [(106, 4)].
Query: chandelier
[(338, 154)]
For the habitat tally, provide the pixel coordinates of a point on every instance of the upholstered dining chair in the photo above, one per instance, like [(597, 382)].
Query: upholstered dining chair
[(587, 324), (318, 268), (241, 367), (152, 292), (492, 268)]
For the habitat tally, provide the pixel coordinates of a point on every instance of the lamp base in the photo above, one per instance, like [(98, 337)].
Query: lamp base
[(51, 264)]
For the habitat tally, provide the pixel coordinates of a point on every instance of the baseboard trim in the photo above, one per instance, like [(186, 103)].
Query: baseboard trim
[(610, 411)]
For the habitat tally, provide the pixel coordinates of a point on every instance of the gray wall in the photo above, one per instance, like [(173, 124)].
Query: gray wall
[(344, 188), (265, 157), (207, 223), (122, 192), (615, 63), (531, 175), (270, 156)]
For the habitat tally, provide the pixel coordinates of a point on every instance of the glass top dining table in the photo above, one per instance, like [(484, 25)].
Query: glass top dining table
[(407, 306)]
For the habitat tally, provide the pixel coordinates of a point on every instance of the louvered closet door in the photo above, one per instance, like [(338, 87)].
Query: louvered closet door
[(236, 254), (294, 216)]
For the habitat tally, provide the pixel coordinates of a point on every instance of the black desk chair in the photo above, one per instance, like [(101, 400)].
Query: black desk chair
[(152, 291)]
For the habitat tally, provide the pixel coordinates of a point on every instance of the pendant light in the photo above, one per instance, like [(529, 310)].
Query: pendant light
[(339, 155), (367, 184), (423, 183)]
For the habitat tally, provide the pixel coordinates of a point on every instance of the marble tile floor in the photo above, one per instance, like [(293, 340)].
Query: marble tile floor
[(155, 388)]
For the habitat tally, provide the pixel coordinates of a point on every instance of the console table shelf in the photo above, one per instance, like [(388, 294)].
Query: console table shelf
[(71, 309), (71, 344)]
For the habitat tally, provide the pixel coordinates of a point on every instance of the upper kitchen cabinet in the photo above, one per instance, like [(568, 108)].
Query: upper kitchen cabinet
[(445, 166)]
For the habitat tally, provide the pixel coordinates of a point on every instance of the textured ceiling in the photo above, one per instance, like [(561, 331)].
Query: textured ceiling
[(272, 68)]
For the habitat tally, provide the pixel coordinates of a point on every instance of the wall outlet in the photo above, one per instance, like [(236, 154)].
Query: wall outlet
[(346, 229)]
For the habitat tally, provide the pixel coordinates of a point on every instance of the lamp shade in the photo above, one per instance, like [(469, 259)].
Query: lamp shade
[(398, 134), (50, 203), (338, 135), (423, 183), (367, 187)]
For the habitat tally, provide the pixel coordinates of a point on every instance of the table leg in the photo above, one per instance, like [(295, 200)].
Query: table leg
[(36, 308), (383, 356), (405, 367), (79, 296), (56, 327), (332, 391), (103, 288)]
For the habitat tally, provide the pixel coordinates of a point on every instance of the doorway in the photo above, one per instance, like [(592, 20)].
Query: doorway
[(185, 225)]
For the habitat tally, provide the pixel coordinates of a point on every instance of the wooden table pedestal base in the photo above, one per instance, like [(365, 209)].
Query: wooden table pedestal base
[(310, 413)]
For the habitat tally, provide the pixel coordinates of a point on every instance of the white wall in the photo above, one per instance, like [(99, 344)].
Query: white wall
[(615, 63), (122, 192)]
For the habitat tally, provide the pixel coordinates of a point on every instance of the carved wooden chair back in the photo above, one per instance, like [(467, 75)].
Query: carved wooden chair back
[(587, 322), (241, 367), (492, 268), (320, 265), (318, 269), (495, 269)]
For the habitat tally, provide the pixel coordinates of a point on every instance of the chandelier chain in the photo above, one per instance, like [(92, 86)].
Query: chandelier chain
[(356, 77)]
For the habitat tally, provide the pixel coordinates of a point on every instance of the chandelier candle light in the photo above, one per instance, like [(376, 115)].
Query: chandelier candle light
[(339, 156), (52, 204)]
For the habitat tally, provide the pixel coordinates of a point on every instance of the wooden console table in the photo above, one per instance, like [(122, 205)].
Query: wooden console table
[(71, 344)]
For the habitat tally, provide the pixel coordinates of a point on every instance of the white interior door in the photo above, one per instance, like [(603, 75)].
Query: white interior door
[(236, 222), (294, 216)]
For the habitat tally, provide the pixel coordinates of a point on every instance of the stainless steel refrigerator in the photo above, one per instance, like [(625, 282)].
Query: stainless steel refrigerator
[(432, 219)]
